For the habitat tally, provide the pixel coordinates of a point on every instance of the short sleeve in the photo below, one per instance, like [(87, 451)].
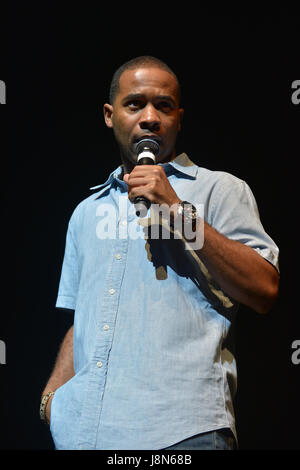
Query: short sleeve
[(68, 285), (235, 215)]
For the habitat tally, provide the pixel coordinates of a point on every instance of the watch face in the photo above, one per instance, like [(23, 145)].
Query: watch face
[(187, 210), (180, 209)]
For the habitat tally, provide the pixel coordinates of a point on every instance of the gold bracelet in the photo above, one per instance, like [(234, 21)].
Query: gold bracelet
[(43, 405)]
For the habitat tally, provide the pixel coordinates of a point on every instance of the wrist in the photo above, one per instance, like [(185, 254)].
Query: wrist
[(184, 212), (45, 406)]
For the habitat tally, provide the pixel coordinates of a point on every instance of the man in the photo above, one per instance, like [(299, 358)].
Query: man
[(146, 365)]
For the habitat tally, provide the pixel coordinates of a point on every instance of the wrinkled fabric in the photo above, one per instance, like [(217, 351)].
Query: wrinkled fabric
[(151, 359)]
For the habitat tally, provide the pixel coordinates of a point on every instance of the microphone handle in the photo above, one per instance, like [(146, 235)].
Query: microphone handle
[(141, 203)]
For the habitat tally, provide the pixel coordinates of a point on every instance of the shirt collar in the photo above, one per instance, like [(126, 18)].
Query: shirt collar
[(181, 164), (114, 175)]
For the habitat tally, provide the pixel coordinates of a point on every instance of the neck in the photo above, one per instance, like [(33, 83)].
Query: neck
[(127, 167)]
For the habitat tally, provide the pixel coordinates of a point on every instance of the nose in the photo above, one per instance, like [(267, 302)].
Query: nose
[(150, 118)]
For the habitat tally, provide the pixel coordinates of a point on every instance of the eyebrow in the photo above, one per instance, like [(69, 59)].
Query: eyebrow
[(137, 96)]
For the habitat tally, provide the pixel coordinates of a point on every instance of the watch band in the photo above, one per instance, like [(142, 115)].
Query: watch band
[(187, 210)]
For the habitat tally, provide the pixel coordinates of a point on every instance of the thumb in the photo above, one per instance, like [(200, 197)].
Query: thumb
[(125, 177)]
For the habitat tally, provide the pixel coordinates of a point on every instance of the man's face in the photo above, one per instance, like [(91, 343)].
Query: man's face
[(146, 105)]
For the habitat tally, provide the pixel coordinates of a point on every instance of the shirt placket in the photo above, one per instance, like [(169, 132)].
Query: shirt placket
[(91, 412)]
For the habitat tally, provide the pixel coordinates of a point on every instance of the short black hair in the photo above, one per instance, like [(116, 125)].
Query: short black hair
[(134, 64)]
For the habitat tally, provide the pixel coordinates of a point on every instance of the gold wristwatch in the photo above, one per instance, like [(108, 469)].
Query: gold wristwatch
[(188, 213)]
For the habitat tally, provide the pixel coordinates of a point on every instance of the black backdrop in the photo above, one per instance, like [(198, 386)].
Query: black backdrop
[(236, 73)]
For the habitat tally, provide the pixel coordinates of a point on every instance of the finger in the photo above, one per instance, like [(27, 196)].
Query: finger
[(139, 168), (147, 170), (141, 180), (141, 191)]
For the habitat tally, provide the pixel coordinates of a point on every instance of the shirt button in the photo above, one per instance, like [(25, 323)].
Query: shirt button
[(118, 256), (112, 291), (124, 222), (106, 327), (99, 364)]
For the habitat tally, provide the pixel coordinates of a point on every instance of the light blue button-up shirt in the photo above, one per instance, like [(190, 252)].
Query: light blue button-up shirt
[(151, 364)]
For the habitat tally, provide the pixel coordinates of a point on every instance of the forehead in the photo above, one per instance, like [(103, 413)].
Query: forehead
[(148, 80)]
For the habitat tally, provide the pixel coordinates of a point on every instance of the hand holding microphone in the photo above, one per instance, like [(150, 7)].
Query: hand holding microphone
[(161, 191), (147, 150)]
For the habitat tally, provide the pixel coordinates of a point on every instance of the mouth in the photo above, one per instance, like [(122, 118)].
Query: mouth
[(147, 136)]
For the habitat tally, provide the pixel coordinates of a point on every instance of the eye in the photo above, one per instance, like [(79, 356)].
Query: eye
[(133, 105), (165, 106)]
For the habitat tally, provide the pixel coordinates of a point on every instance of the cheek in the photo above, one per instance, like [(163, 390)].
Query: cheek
[(120, 132), (122, 127), (172, 130)]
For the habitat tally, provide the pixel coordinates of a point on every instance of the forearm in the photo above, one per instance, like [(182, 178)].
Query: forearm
[(63, 369), (239, 270)]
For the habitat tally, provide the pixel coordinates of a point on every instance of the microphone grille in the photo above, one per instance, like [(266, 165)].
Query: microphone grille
[(147, 144)]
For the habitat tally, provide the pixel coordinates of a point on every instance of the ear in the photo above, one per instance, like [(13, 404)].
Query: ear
[(181, 113), (108, 113)]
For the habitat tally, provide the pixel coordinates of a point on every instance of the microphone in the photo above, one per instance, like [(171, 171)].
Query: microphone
[(147, 150)]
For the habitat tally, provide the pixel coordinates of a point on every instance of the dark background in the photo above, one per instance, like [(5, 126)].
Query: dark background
[(236, 73)]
